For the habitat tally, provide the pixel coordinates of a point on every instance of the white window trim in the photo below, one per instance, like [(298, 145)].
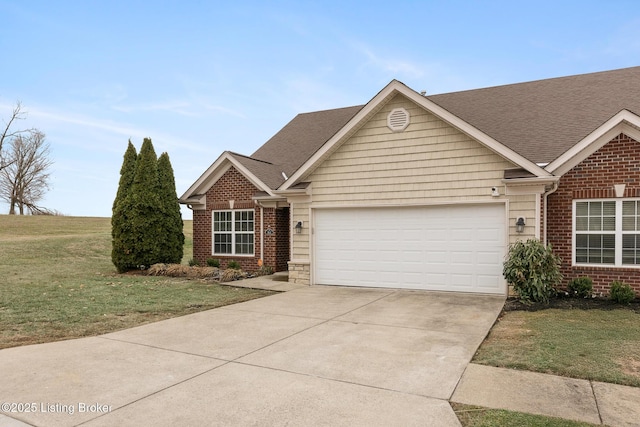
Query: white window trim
[(618, 234), (233, 233)]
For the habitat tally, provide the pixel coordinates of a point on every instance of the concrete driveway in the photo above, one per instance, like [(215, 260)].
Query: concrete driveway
[(312, 356)]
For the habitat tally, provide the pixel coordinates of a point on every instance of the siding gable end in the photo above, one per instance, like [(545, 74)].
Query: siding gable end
[(430, 161)]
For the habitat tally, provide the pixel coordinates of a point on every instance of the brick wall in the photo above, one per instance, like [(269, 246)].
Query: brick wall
[(234, 186), (276, 238), (618, 162)]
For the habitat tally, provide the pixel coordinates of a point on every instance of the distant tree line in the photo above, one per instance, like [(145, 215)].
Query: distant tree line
[(24, 166), (146, 222)]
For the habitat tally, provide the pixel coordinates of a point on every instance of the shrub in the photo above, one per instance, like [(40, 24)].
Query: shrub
[(533, 270), (234, 265), (621, 293), (193, 262), (265, 270), (212, 262), (581, 287), (231, 274)]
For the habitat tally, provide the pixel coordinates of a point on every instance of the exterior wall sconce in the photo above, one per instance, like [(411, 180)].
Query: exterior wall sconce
[(299, 227), (520, 225)]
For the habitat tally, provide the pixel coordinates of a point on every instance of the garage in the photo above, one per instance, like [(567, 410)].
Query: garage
[(445, 248)]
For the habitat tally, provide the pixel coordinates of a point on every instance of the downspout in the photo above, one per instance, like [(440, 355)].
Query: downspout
[(554, 188)]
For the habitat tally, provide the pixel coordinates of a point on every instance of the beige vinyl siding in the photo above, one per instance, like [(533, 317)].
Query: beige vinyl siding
[(301, 244), (522, 206), (429, 162)]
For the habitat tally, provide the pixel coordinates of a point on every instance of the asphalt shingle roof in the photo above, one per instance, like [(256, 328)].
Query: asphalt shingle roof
[(542, 119), (539, 120), (295, 143)]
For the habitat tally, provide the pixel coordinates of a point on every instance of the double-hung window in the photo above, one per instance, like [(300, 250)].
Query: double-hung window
[(606, 232), (233, 232)]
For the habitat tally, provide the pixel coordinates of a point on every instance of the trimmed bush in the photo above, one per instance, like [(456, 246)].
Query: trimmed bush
[(533, 270), (234, 265), (193, 262), (212, 262), (621, 293), (581, 287)]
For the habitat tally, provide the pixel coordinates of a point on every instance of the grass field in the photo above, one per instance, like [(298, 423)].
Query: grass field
[(57, 282), (596, 344), (473, 416)]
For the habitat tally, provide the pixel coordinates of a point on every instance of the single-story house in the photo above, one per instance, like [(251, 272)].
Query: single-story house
[(427, 191)]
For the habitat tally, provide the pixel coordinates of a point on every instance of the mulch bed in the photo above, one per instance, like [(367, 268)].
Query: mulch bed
[(567, 303)]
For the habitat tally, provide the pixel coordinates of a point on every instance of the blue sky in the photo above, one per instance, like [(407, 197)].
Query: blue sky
[(201, 77)]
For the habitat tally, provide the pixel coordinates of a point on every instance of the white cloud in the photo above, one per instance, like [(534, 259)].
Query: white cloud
[(388, 64)]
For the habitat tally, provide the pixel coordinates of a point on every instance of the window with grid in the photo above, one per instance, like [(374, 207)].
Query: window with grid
[(233, 232), (607, 232), (631, 232)]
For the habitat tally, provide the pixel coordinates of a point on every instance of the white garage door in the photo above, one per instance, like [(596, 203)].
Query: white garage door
[(446, 248)]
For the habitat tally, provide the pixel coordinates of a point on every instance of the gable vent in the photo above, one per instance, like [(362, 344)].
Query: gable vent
[(398, 119)]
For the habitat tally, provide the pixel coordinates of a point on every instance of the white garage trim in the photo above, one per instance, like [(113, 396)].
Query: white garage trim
[(439, 247)]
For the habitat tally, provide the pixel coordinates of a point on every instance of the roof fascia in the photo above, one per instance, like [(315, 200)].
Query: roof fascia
[(532, 180), (396, 87), (215, 172), (623, 122), (345, 131), (293, 191)]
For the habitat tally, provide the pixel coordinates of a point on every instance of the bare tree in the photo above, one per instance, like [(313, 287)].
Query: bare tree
[(9, 133), (25, 177)]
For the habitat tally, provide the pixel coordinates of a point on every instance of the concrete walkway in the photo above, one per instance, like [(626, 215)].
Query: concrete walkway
[(534, 393)]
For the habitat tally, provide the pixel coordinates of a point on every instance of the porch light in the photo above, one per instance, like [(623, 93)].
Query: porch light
[(520, 225), (299, 227)]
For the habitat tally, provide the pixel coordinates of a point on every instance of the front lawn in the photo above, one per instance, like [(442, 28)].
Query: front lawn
[(57, 282), (594, 344), (473, 416)]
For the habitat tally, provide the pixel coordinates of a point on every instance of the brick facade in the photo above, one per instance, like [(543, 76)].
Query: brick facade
[(618, 162), (234, 186)]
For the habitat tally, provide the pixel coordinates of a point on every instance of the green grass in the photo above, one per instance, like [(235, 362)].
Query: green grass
[(57, 282), (473, 416), (600, 345)]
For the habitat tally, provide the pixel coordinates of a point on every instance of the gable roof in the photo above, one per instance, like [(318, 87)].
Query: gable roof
[(281, 155), (543, 119), (389, 92), (288, 149), (552, 121)]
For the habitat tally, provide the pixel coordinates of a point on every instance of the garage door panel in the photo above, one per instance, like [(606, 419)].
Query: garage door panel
[(438, 248)]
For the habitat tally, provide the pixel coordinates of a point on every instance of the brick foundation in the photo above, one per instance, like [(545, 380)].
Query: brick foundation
[(618, 162)]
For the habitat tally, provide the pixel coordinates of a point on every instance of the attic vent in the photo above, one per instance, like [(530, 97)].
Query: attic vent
[(398, 119)]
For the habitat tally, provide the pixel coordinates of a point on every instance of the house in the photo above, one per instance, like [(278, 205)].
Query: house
[(428, 191)]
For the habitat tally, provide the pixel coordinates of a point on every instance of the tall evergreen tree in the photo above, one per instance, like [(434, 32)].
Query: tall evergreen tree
[(172, 243), (121, 254), (143, 203)]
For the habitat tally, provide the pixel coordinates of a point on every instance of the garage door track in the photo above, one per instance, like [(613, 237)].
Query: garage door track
[(312, 356)]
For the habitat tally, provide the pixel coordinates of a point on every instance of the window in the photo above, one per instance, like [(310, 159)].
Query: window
[(233, 232), (607, 232)]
